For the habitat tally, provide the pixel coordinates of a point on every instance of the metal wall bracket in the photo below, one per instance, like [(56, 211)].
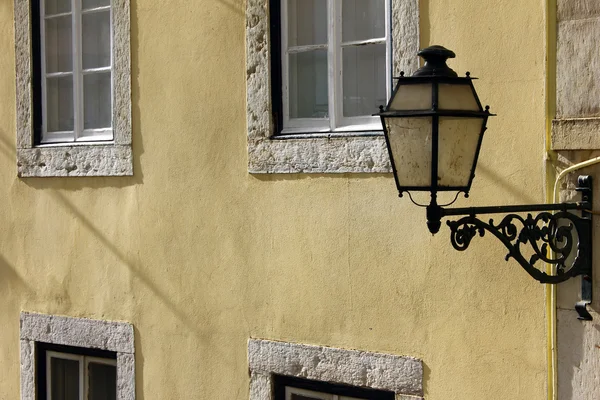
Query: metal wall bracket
[(554, 236), (584, 186)]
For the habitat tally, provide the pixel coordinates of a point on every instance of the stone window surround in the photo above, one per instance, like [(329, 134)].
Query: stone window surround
[(75, 159), (398, 374), (323, 153), (79, 332)]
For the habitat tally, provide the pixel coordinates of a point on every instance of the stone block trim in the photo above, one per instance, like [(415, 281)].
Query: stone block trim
[(399, 374), (95, 159), (310, 154), (79, 332), (576, 134)]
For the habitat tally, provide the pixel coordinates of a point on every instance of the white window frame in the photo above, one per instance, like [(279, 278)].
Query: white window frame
[(334, 46), (79, 134), (325, 152), (112, 336), (399, 374), (99, 156), (84, 377)]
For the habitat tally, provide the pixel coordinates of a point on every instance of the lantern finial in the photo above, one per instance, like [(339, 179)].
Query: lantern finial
[(435, 62)]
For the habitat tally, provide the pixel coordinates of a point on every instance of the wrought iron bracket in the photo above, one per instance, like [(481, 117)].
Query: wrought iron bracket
[(554, 236)]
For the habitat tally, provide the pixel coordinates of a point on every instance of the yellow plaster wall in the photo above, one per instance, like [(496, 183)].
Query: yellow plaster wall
[(199, 255)]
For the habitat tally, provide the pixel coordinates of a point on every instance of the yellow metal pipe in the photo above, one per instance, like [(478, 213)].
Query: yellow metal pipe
[(550, 290)]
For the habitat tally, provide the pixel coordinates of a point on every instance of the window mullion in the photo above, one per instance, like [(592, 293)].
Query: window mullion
[(389, 62), (83, 395), (43, 78), (334, 72), (285, 62), (77, 74)]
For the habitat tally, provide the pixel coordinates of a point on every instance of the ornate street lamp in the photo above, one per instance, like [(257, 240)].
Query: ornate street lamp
[(433, 126)]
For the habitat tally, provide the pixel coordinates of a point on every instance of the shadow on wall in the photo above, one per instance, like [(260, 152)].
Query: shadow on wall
[(11, 284)]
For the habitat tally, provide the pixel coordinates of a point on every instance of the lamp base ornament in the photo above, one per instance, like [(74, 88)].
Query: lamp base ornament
[(560, 240)]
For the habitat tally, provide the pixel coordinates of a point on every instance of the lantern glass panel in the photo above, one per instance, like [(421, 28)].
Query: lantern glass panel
[(412, 97), (457, 97), (410, 145), (458, 141)]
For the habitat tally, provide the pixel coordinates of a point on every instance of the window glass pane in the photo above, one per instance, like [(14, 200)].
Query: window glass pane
[(307, 22), (96, 39), (97, 110), (363, 19), (57, 6), (87, 4), (59, 104), (457, 97), (458, 140), (59, 45), (410, 142), (64, 377), (413, 97), (364, 79), (308, 86), (102, 381)]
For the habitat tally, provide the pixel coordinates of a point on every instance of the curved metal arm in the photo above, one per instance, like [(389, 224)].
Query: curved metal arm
[(557, 232), (565, 235)]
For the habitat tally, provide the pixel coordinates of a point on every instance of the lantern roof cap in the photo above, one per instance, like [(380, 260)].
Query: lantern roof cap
[(435, 62)]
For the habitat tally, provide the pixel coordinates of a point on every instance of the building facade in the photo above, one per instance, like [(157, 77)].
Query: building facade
[(198, 204)]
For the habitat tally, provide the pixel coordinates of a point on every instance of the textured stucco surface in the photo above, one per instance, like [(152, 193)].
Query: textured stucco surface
[(199, 255), (84, 160), (79, 332), (402, 375), (314, 155)]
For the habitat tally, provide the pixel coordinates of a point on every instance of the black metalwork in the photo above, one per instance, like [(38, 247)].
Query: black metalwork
[(549, 234), (435, 62), (436, 72), (561, 239)]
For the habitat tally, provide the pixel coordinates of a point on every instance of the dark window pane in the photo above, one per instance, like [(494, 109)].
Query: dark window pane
[(102, 381), (302, 397), (64, 379)]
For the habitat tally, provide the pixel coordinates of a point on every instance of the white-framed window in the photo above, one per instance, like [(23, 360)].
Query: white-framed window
[(342, 145), (76, 358), (79, 377), (76, 70), (291, 371), (73, 70), (335, 64), (288, 388)]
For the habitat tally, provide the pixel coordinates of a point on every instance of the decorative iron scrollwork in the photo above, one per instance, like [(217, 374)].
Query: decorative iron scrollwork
[(558, 239)]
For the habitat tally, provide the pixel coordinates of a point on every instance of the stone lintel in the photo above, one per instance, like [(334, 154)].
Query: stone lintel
[(399, 374)]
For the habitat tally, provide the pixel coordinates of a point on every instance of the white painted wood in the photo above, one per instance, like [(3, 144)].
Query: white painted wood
[(94, 360), (289, 391), (364, 42), (96, 9), (77, 76), (335, 62), (50, 16), (65, 356), (309, 47), (336, 122), (95, 70), (43, 67), (79, 133)]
